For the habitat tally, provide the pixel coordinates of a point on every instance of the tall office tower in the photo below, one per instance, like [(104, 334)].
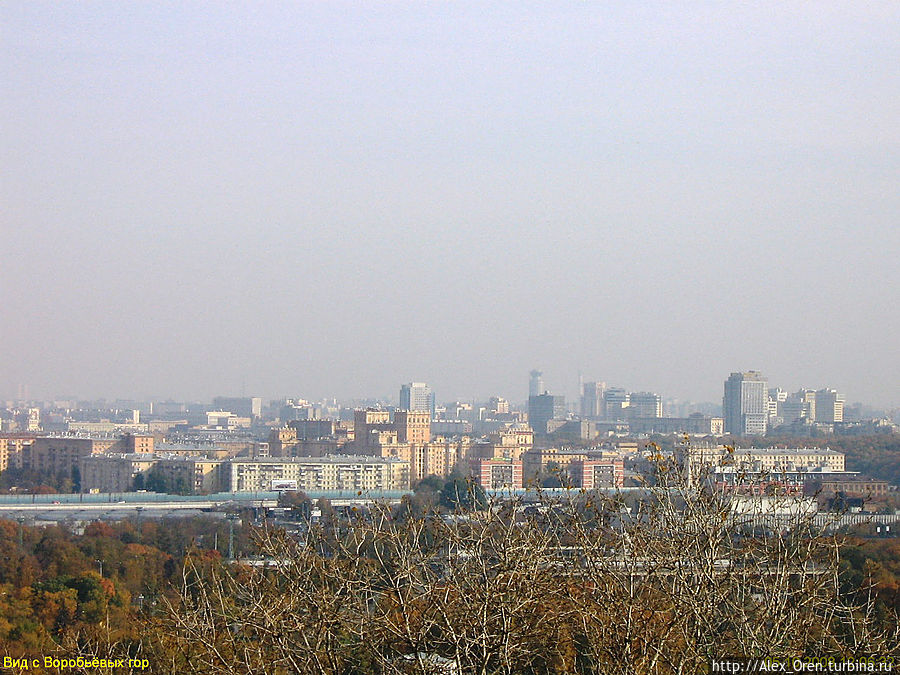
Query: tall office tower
[(417, 396), (793, 409), (535, 383), (829, 406), (543, 408), (592, 399), (745, 405), (645, 404), (615, 400)]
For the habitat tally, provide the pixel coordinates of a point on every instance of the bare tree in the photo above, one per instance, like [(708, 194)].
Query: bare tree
[(658, 580)]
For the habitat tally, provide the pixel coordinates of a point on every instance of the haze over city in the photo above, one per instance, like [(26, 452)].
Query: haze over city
[(330, 199)]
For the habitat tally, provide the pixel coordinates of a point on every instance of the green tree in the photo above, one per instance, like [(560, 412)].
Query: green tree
[(465, 494)]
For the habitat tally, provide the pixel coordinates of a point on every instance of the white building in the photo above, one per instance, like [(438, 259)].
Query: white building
[(333, 472), (417, 397), (745, 404), (771, 460)]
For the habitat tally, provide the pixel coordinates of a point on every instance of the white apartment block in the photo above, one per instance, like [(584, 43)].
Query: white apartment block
[(335, 472), (773, 460)]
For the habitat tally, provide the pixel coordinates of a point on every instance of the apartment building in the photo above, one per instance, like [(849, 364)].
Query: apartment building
[(497, 473), (359, 473), (591, 473), (113, 472), (697, 424), (12, 450), (771, 460)]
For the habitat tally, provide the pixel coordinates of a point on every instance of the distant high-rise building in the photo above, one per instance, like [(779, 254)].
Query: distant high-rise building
[(417, 397), (592, 399), (644, 404), (615, 400), (829, 406), (745, 405), (543, 408), (535, 383), (775, 403), (498, 406), (808, 398), (34, 419), (240, 406)]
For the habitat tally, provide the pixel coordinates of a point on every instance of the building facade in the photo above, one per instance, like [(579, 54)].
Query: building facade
[(829, 406), (357, 473), (745, 404), (592, 399), (615, 403), (771, 460), (417, 397), (496, 473), (412, 426), (697, 424), (590, 473), (644, 404), (543, 408), (12, 450), (113, 472), (535, 383), (242, 407)]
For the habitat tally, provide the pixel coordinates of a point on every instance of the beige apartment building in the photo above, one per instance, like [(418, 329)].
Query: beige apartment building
[(355, 473), (540, 461), (771, 460), (59, 455), (199, 475), (412, 426), (439, 456), (511, 443), (113, 472), (436, 457), (284, 442), (365, 422), (55, 456), (587, 468), (107, 427), (12, 450)]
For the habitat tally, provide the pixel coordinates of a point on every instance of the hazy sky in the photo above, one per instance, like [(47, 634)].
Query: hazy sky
[(329, 199)]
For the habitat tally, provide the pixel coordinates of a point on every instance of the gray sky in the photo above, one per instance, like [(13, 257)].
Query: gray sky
[(333, 198)]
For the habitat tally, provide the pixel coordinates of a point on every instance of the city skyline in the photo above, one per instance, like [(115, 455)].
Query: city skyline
[(425, 397), (201, 200)]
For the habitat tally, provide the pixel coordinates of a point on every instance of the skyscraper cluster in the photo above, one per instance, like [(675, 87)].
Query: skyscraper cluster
[(750, 408)]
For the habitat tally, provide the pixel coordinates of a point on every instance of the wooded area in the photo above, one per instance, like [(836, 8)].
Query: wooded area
[(588, 584)]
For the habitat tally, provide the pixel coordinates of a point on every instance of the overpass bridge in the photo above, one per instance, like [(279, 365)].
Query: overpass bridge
[(113, 506)]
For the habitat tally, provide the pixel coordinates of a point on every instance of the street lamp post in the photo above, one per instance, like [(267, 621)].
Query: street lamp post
[(139, 509), (231, 518)]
